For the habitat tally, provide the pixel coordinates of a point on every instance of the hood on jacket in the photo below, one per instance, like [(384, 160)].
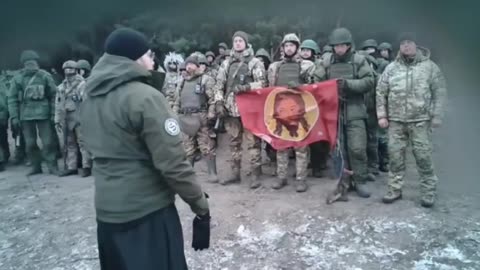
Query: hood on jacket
[(112, 71), (423, 54)]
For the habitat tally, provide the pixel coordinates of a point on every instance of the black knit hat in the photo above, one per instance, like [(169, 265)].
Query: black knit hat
[(407, 36), (128, 43)]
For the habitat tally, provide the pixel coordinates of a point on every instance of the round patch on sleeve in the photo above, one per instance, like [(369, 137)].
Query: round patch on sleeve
[(172, 127)]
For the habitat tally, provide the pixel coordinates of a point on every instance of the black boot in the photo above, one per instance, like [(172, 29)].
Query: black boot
[(362, 191), (212, 169), (85, 172), (36, 169), (67, 173), (2, 167)]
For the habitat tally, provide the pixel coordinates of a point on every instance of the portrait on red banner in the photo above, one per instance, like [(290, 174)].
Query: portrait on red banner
[(290, 115)]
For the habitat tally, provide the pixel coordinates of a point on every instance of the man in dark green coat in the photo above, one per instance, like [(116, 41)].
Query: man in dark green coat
[(139, 163), (355, 79), (31, 104)]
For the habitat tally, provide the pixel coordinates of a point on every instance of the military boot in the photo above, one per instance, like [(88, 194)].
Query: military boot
[(428, 201), (212, 169), (362, 191), (279, 183), (318, 172), (301, 185), (383, 167), (85, 172), (371, 177), (53, 168), (67, 173), (36, 169), (235, 177), (2, 167), (392, 196), (254, 178)]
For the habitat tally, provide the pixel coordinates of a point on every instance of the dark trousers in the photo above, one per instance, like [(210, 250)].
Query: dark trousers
[(153, 242), (4, 148)]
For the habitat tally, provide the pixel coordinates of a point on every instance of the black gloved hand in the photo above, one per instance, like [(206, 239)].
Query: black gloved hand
[(15, 125), (211, 122), (201, 232), (220, 109), (342, 84)]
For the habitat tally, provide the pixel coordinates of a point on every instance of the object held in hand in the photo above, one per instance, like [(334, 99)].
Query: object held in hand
[(201, 231)]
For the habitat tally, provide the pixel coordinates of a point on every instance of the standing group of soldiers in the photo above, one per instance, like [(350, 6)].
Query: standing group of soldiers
[(386, 103), (36, 106)]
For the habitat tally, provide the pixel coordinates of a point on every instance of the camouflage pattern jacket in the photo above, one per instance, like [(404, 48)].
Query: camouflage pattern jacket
[(32, 96), (207, 83), (69, 97), (256, 70), (172, 79), (307, 69), (3, 103), (411, 92)]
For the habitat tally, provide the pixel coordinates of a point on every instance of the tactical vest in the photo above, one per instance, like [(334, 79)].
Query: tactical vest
[(288, 72), (238, 74), (193, 96), (72, 97)]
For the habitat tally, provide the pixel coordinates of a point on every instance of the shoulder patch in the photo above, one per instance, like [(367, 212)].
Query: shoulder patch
[(172, 127)]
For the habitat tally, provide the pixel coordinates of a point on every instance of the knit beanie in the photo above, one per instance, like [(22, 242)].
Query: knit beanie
[(241, 34), (128, 43), (407, 36)]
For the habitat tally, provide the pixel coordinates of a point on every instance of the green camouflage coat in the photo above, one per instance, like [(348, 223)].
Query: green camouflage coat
[(411, 92), (32, 96)]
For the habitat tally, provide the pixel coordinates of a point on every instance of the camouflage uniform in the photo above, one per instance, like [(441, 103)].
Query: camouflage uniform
[(291, 71), (172, 77), (241, 71), (69, 96), (195, 102), (383, 132), (31, 101), (411, 95), (4, 151), (356, 79)]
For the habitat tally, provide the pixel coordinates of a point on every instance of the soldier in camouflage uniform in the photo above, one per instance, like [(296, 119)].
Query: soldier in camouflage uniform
[(369, 48), (172, 77), (69, 96), (292, 70), (84, 68), (223, 53), (385, 58), (195, 105), (411, 96), (205, 66), (4, 151), (355, 79), (241, 73), (17, 134), (309, 49), (31, 104)]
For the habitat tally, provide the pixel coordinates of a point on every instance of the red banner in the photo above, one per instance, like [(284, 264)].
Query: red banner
[(291, 118)]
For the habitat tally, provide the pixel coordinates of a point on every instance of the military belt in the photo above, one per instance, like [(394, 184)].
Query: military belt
[(192, 110)]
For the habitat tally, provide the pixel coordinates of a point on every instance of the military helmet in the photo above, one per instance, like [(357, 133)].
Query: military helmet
[(223, 45), (202, 59), (28, 55), (327, 48), (83, 64), (369, 43), (69, 64), (264, 53), (385, 46), (310, 44), (291, 38), (210, 53), (340, 36)]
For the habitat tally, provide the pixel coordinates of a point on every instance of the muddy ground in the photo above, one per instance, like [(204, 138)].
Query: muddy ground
[(48, 223)]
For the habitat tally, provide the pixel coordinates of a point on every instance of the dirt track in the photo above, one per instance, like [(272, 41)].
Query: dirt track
[(49, 223)]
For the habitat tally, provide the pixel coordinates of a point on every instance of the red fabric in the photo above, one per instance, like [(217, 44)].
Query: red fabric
[(291, 118)]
